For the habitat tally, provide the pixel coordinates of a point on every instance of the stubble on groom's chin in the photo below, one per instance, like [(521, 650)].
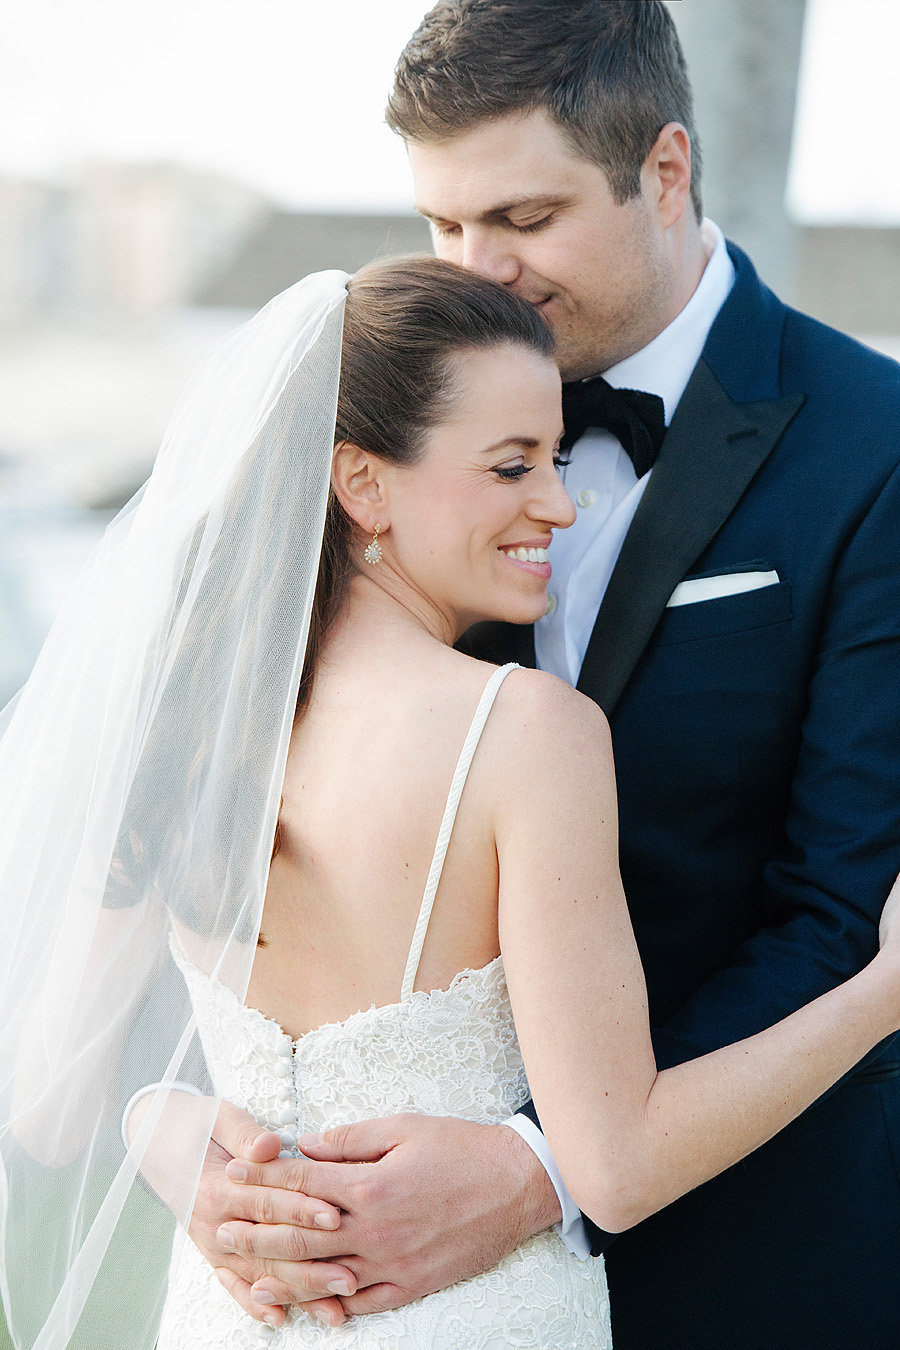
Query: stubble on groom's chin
[(596, 332), (583, 350)]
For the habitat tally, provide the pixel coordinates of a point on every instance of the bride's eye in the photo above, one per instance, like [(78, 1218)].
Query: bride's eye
[(562, 460), (513, 471)]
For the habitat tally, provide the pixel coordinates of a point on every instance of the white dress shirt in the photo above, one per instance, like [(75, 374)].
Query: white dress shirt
[(601, 478), (601, 481)]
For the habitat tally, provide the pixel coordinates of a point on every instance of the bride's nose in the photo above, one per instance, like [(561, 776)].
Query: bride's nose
[(551, 503)]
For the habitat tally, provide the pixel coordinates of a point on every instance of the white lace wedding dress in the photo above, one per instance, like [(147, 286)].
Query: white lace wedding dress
[(443, 1052)]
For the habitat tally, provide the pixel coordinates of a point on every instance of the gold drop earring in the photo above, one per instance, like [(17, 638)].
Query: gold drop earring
[(373, 553)]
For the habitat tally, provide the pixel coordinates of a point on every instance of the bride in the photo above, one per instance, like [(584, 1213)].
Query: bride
[(397, 891)]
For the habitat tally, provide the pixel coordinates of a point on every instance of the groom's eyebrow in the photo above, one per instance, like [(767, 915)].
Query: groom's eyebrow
[(522, 204), (494, 213)]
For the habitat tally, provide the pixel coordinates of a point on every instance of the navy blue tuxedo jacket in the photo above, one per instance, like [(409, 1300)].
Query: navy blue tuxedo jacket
[(756, 736)]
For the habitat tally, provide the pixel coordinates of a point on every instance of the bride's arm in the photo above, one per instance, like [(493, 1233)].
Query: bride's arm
[(629, 1140)]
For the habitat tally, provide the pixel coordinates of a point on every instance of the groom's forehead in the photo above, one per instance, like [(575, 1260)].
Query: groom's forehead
[(509, 164)]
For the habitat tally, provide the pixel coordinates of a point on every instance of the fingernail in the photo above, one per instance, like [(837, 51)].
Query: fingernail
[(311, 1139), (226, 1240), (326, 1317), (236, 1171), (271, 1319), (323, 1220), (339, 1287), (263, 1296)]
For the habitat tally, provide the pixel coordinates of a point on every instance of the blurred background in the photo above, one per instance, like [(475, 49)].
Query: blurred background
[(166, 169)]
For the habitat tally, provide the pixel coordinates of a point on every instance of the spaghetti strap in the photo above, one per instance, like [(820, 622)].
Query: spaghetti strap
[(485, 704)]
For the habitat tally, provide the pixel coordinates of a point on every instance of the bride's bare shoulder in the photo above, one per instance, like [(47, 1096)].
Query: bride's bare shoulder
[(537, 721), (541, 719)]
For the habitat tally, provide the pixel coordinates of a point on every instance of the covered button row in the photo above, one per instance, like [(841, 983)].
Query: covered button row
[(288, 1114)]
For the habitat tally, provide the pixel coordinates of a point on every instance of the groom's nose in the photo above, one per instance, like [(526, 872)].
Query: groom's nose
[(489, 254)]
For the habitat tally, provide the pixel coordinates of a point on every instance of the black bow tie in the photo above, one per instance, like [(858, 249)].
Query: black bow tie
[(636, 419)]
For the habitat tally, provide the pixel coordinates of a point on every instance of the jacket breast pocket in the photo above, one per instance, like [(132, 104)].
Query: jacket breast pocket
[(761, 608)]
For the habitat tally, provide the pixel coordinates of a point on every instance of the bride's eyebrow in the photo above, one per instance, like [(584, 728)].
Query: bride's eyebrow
[(523, 442)]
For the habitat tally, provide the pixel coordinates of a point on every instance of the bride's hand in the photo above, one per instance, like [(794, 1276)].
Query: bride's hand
[(226, 1209)]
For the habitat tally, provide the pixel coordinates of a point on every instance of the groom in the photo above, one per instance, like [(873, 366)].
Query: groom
[(730, 595)]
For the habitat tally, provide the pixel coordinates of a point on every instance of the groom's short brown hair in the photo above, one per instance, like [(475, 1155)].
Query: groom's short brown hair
[(611, 74)]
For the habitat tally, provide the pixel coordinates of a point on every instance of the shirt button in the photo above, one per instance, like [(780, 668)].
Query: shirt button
[(551, 603), (586, 497)]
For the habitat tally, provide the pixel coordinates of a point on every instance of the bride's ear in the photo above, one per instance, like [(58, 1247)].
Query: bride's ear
[(359, 481)]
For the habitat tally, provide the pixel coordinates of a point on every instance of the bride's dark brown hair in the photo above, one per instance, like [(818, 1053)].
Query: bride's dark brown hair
[(404, 321)]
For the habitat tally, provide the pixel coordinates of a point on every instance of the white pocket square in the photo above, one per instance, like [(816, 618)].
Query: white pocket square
[(713, 588)]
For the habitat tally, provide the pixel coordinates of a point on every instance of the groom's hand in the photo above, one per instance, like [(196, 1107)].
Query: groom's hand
[(425, 1201)]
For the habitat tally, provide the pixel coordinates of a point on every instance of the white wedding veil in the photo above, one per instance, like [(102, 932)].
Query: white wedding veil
[(140, 779)]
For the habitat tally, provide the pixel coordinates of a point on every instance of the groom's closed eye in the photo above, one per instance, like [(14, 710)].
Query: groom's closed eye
[(532, 226)]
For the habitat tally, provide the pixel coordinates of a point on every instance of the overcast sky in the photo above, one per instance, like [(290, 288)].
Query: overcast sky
[(288, 95)]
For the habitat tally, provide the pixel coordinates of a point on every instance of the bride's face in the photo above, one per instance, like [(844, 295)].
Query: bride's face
[(486, 487)]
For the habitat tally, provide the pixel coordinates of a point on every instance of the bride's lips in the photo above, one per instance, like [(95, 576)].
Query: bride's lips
[(538, 569)]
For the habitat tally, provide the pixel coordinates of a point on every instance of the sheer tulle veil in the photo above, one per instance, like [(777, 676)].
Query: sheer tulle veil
[(140, 777)]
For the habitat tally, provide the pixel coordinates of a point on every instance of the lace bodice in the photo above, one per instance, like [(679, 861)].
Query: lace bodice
[(440, 1052), (445, 1052), (450, 1052)]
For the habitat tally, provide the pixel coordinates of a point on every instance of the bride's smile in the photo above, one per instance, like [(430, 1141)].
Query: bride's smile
[(531, 554)]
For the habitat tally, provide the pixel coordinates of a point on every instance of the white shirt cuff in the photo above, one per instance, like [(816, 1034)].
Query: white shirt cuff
[(151, 1087), (571, 1229)]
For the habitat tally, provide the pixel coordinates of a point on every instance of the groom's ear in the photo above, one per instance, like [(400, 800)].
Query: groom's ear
[(359, 480), (666, 175)]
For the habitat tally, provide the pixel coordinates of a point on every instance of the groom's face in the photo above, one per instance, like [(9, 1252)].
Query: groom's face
[(512, 200)]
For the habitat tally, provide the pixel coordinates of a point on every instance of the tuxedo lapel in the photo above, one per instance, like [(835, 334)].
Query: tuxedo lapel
[(712, 451)]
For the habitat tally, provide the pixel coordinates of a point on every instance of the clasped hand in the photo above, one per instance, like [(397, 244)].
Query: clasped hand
[(373, 1216)]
